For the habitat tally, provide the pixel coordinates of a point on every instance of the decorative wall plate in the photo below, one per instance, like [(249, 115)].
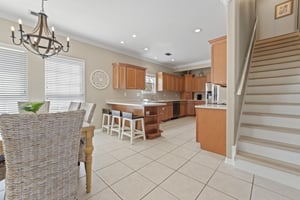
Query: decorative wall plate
[(99, 79)]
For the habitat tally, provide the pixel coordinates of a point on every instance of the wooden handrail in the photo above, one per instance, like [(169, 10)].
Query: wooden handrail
[(247, 62)]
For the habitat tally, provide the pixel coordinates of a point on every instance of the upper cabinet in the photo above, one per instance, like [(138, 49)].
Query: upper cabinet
[(199, 83), (218, 60), (126, 76), (168, 82), (188, 83)]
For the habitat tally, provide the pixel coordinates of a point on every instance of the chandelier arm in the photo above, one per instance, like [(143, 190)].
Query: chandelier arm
[(41, 41)]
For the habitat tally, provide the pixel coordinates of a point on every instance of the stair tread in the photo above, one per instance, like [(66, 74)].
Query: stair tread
[(276, 38), (277, 76), (272, 84), (271, 114), (295, 52), (257, 54), (272, 103), (270, 143), (268, 162), (272, 128)]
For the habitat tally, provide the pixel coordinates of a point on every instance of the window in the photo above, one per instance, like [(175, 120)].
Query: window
[(150, 86), (64, 82), (13, 78)]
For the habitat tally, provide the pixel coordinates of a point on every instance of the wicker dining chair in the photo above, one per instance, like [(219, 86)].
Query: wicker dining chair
[(90, 109), (74, 105), (41, 152)]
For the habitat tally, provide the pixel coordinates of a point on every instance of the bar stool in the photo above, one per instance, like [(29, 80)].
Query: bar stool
[(131, 131), (116, 127), (106, 120)]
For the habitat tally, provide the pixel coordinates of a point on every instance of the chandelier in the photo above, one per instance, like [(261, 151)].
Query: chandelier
[(41, 41)]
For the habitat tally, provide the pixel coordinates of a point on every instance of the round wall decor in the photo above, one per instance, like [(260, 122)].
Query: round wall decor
[(99, 79)]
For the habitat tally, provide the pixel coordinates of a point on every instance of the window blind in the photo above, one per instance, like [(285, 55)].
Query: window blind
[(64, 82), (13, 78)]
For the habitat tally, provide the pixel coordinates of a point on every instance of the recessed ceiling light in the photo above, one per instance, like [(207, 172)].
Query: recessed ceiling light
[(197, 30), (134, 35), (146, 49), (122, 42), (155, 57), (172, 59)]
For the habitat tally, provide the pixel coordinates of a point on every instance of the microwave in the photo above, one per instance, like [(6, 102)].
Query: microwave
[(219, 94)]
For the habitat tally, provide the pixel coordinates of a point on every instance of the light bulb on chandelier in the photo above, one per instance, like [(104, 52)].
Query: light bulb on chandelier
[(41, 41)]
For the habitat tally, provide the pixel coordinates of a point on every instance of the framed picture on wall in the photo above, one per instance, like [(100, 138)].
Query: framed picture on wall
[(284, 9)]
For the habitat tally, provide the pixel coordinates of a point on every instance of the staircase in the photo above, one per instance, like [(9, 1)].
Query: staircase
[(269, 131)]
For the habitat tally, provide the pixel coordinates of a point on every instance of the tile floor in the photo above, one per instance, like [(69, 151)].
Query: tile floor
[(171, 167)]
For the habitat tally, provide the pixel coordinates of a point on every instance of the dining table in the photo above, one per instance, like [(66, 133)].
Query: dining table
[(86, 134)]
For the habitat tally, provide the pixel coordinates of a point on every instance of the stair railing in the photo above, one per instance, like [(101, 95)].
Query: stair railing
[(247, 62)]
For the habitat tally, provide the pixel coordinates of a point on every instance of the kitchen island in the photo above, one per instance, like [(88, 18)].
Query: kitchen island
[(149, 110), (211, 127)]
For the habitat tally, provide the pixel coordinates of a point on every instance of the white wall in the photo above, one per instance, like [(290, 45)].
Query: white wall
[(241, 17), (95, 58), (268, 26)]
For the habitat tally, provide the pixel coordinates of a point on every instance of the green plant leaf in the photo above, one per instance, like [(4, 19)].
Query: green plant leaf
[(32, 106)]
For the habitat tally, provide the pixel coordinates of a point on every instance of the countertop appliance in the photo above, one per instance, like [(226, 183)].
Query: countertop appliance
[(198, 96)]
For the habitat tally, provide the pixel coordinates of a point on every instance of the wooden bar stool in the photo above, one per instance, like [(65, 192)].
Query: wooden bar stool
[(131, 130), (116, 122), (106, 120)]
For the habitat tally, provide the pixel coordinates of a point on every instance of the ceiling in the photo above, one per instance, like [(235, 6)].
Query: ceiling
[(162, 26)]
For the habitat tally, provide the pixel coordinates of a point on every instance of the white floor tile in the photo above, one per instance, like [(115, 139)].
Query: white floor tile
[(209, 160), (182, 186), (159, 194), (114, 172), (172, 161), (102, 161), (211, 194), (284, 190), (153, 153), (230, 170), (97, 186), (106, 194), (136, 161), (196, 171), (133, 187), (183, 152), (122, 153), (156, 172), (232, 186), (259, 193)]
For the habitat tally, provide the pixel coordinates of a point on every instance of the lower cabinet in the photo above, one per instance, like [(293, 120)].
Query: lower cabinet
[(211, 129)]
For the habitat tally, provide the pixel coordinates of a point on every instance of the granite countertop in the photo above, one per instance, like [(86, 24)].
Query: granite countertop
[(135, 103), (212, 106)]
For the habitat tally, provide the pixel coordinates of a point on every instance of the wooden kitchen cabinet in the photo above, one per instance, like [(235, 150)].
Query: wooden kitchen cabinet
[(219, 60), (211, 129), (182, 108), (199, 84), (190, 108), (168, 82), (126, 76), (166, 112), (188, 83), (119, 76)]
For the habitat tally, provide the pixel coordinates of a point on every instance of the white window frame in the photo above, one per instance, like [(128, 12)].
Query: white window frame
[(60, 101), (153, 77), (16, 89)]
